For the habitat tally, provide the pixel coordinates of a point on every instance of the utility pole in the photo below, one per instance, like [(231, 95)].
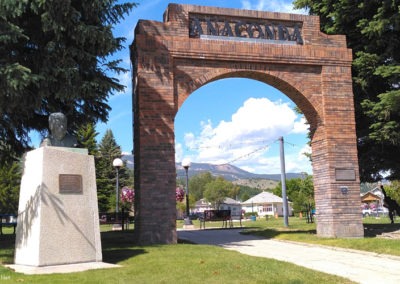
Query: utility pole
[(283, 182)]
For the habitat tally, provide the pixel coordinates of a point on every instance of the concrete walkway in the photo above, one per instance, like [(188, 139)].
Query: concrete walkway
[(358, 266)]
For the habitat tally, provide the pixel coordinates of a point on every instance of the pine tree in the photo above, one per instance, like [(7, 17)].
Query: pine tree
[(108, 150), (86, 136), (373, 32), (55, 56), (10, 178)]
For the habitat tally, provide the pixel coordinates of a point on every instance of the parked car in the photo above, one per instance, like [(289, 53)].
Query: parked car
[(380, 212), (366, 212)]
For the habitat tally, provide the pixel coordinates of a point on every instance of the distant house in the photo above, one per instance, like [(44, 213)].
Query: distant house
[(265, 203), (233, 205), (202, 205), (372, 199), (228, 204)]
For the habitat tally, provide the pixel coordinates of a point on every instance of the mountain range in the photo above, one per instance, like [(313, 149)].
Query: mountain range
[(229, 172)]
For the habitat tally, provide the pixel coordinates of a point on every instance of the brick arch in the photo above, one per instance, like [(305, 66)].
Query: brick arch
[(196, 45), (285, 83)]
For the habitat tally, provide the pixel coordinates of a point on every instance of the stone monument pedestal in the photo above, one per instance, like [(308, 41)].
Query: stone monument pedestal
[(58, 220)]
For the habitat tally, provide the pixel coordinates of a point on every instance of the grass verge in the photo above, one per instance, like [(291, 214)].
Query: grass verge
[(300, 231)]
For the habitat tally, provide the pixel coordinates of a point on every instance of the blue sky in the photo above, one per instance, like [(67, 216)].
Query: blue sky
[(236, 121)]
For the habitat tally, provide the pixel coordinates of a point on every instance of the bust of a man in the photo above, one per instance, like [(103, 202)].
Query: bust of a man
[(58, 132)]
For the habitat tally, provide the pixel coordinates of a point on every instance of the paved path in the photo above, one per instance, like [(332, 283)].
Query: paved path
[(358, 266)]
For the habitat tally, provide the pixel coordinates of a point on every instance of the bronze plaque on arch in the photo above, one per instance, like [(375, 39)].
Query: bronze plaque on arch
[(70, 184), (345, 174)]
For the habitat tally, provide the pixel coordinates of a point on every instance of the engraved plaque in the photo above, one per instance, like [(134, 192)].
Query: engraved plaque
[(70, 184), (345, 174)]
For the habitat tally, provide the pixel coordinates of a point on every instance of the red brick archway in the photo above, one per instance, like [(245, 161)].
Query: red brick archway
[(196, 45)]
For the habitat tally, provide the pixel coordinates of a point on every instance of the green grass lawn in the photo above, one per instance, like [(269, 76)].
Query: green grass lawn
[(189, 263), (180, 263)]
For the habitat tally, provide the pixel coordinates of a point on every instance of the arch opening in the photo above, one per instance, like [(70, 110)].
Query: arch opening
[(232, 125)]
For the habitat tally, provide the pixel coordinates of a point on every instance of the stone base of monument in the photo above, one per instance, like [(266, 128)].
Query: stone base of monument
[(117, 227), (65, 268), (58, 221)]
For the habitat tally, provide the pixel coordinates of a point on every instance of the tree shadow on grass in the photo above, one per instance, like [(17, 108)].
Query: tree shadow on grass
[(374, 230), (272, 233), (7, 245), (119, 246), (117, 239), (116, 255), (116, 246)]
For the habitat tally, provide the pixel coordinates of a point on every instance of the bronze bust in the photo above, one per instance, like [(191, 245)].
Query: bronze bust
[(58, 132)]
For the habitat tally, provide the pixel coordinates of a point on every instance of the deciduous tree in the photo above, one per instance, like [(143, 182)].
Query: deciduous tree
[(300, 191), (217, 190), (197, 185)]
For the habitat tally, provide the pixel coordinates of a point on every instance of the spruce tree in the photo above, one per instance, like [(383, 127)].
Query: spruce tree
[(108, 150), (372, 29), (10, 178), (55, 55), (86, 136)]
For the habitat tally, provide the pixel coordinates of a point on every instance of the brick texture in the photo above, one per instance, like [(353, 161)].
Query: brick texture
[(168, 66)]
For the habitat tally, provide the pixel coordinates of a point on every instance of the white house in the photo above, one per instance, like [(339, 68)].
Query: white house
[(373, 199), (265, 203), (202, 205), (233, 205), (228, 204)]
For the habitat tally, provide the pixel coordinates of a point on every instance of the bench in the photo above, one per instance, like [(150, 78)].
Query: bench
[(122, 218), (7, 220), (237, 218), (216, 215)]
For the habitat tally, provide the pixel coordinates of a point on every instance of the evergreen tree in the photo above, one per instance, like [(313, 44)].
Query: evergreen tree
[(10, 179), (86, 136), (373, 32), (108, 150), (55, 56)]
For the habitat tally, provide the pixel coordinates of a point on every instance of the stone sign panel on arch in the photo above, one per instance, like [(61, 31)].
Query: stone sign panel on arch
[(214, 27)]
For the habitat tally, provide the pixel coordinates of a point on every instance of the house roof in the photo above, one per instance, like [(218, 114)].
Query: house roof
[(264, 197), (369, 196), (202, 202), (229, 200)]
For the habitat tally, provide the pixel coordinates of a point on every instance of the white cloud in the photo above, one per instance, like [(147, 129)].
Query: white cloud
[(305, 150), (124, 79), (301, 126), (271, 5), (246, 139), (294, 163), (257, 123), (178, 152)]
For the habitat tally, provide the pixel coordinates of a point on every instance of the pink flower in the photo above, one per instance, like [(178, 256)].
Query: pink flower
[(180, 194), (127, 195)]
